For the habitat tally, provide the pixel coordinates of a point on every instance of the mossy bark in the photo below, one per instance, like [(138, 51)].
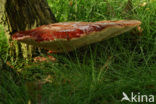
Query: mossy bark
[(23, 15), (26, 14)]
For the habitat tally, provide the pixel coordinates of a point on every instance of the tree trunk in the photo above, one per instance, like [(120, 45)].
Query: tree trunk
[(26, 14), (20, 15)]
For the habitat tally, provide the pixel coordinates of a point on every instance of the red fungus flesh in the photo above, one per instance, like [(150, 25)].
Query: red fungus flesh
[(67, 36)]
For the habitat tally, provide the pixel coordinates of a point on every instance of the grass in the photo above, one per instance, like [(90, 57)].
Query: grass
[(95, 74)]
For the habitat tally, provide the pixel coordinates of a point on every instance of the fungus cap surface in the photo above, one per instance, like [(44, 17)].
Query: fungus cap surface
[(67, 36)]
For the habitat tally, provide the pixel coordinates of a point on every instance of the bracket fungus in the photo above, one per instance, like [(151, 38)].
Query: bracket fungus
[(67, 36)]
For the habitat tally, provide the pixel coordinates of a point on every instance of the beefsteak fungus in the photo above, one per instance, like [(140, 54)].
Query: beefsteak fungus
[(67, 36)]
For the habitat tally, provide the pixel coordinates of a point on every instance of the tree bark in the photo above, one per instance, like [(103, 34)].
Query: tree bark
[(27, 14)]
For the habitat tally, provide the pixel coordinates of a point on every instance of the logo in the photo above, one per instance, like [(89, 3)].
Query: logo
[(137, 97)]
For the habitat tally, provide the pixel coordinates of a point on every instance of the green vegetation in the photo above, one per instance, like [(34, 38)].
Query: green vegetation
[(95, 74)]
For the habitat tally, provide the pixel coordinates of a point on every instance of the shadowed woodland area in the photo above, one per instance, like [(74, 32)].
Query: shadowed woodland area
[(94, 74)]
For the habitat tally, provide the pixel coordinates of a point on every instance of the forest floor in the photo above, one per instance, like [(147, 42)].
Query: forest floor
[(95, 74)]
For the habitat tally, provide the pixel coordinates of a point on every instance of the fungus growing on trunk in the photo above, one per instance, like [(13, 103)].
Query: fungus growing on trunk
[(67, 36)]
